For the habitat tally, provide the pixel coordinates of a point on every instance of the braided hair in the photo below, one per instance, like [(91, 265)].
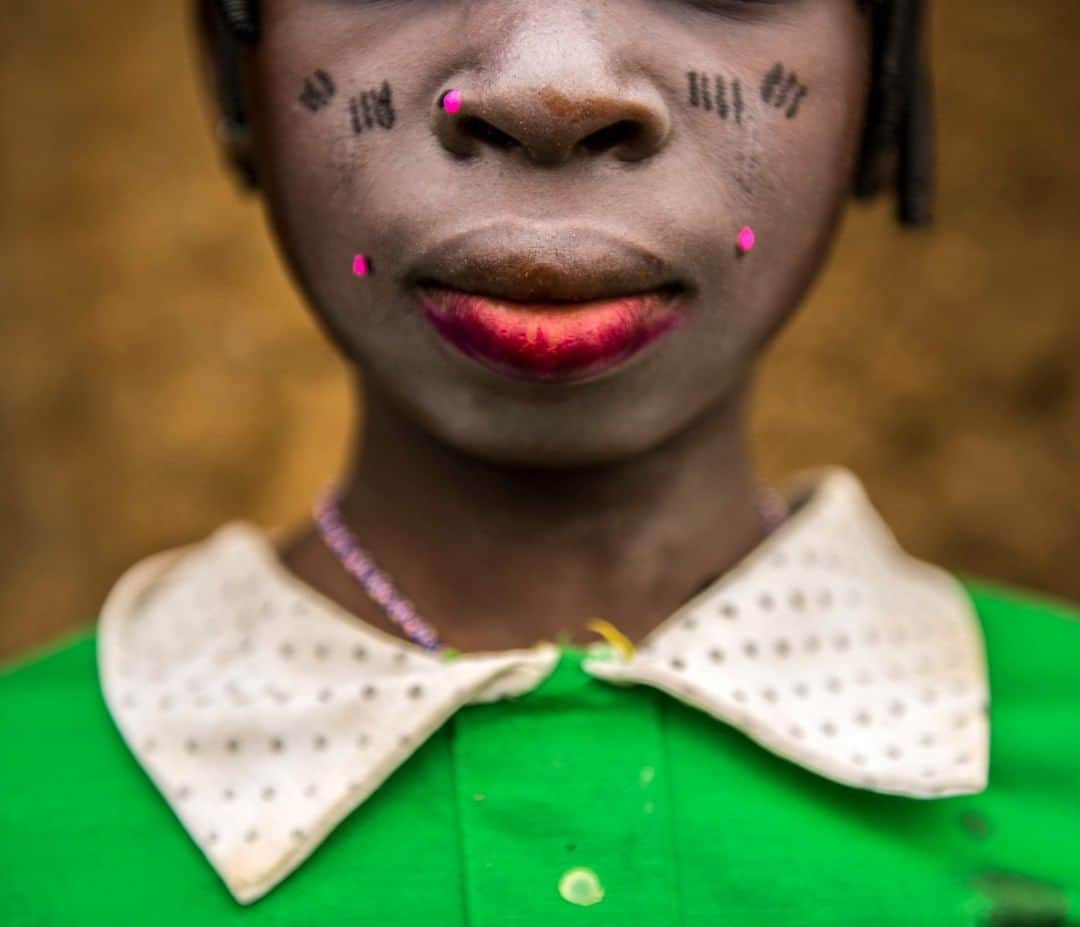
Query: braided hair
[(897, 145)]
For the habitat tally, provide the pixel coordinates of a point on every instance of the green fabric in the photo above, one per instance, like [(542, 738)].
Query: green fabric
[(681, 819)]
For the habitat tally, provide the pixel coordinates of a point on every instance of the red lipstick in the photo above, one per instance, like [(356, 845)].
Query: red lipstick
[(550, 341)]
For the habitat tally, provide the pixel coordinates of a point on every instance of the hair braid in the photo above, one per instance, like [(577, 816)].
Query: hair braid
[(897, 143)]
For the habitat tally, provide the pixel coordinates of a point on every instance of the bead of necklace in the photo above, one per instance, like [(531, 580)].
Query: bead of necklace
[(772, 506)]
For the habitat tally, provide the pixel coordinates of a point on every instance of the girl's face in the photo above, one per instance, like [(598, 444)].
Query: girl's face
[(592, 134)]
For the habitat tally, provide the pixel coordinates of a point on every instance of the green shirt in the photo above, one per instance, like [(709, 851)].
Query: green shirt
[(645, 811)]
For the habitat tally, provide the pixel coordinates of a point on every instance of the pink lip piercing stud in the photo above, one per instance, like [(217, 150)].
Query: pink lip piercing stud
[(745, 241), (451, 101), (361, 266)]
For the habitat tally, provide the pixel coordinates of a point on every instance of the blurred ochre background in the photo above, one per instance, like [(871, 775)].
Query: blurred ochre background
[(160, 375)]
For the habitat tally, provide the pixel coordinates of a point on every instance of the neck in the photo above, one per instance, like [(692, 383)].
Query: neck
[(497, 557)]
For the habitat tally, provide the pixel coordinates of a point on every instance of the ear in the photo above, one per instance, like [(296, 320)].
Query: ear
[(219, 56)]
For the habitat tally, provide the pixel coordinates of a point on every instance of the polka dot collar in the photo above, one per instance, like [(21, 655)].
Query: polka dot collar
[(265, 713)]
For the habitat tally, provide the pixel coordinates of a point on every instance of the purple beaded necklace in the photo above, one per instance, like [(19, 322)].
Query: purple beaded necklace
[(771, 504)]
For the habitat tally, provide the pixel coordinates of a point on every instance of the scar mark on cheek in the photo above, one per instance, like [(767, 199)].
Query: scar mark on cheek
[(369, 109), (794, 108), (726, 95), (748, 162), (318, 91), (779, 88), (372, 108)]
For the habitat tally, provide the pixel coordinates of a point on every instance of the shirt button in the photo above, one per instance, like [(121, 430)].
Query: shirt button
[(580, 885)]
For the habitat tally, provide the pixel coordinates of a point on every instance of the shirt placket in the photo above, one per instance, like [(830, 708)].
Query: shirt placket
[(561, 797)]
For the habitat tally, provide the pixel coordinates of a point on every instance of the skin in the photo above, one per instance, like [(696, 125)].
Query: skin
[(510, 512)]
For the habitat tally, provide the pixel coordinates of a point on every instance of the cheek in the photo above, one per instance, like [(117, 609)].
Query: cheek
[(780, 125), (308, 149), (787, 170), (323, 132), (803, 165), (809, 101), (784, 168)]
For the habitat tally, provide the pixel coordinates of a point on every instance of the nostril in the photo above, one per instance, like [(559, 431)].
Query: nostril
[(615, 134), (484, 131)]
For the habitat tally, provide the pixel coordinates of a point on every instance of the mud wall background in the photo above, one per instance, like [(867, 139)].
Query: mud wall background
[(139, 290)]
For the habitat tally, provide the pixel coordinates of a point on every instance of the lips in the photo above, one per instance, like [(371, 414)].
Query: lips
[(546, 342), (531, 264), (547, 305)]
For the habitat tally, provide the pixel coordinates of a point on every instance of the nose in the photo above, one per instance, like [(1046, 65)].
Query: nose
[(551, 125), (550, 103)]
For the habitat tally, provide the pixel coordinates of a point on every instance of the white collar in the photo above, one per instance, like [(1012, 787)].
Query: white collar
[(827, 644)]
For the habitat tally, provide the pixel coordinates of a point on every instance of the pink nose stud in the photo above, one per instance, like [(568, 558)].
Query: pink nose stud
[(745, 241), (451, 101), (360, 266)]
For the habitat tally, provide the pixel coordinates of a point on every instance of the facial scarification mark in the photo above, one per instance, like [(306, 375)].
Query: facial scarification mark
[(782, 88), (369, 109), (748, 159), (318, 90), (372, 109), (718, 94)]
